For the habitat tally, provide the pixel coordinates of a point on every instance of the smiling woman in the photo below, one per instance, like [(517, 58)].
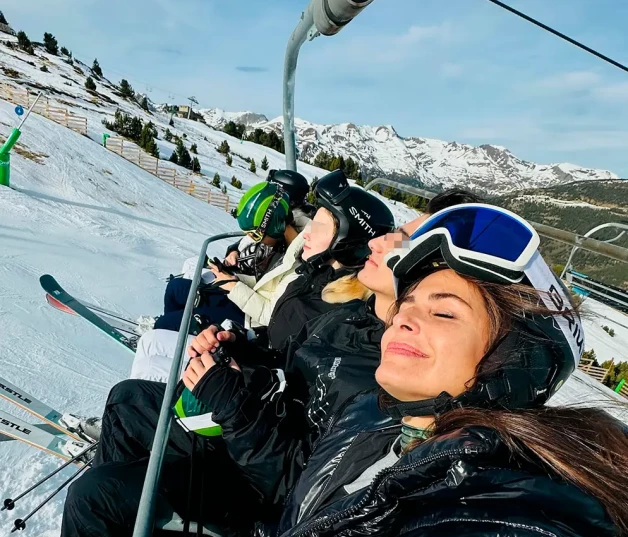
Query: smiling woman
[(458, 441), (437, 338)]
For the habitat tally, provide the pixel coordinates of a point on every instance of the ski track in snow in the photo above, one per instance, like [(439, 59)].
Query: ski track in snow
[(110, 233)]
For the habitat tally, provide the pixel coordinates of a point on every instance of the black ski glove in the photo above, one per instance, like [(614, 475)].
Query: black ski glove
[(218, 387)]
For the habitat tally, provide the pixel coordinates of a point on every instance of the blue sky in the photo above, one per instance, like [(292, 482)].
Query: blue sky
[(462, 70)]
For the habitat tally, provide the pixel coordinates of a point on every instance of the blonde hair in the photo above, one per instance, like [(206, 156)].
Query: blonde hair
[(345, 289)]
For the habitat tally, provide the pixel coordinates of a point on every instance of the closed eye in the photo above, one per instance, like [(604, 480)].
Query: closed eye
[(445, 315)]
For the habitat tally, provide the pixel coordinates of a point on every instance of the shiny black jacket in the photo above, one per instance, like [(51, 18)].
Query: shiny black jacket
[(463, 484), (301, 302), (268, 433)]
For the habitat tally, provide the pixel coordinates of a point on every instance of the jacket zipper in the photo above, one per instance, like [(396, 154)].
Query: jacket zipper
[(327, 522), (515, 525)]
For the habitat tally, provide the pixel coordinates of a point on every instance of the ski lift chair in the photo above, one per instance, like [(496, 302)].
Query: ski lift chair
[(169, 523)]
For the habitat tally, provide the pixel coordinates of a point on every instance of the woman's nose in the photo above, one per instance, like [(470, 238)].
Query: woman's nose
[(406, 322), (375, 244)]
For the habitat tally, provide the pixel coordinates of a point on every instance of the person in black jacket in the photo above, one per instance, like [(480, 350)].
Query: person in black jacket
[(458, 441), (337, 238)]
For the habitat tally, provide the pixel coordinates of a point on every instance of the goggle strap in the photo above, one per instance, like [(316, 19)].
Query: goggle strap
[(260, 232)]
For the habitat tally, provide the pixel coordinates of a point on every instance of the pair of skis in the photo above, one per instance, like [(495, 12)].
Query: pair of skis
[(53, 436), (115, 326)]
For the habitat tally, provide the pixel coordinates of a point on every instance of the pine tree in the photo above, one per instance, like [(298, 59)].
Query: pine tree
[(24, 42), (2, 19), (224, 147), (171, 122), (264, 163), (196, 165), (235, 182), (183, 155), (216, 181), (147, 136), (224, 189), (126, 90), (135, 129), (90, 85), (64, 51), (168, 135), (151, 148), (253, 167), (96, 68), (144, 104), (50, 44), (173, 157), (229, 160), (194, 149)]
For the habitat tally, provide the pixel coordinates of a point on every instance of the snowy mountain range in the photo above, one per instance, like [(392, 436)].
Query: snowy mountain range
[(435, 164)]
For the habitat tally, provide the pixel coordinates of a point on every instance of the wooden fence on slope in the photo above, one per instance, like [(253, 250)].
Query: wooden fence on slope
[(58, 114), (137, 155), (598, 373)]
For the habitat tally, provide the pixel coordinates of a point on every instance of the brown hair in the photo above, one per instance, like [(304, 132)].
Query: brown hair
[(584, 446)]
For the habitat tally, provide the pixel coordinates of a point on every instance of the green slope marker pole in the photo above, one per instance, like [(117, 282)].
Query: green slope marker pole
[(620, 385), (5, 150)]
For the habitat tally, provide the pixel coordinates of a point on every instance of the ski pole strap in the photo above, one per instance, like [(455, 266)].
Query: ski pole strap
[(260, 232)]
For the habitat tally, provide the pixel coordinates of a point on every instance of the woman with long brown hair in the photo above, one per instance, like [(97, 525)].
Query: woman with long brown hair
[(458, 441)]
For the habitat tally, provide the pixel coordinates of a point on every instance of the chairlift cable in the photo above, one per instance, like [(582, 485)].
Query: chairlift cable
[(559, 34)]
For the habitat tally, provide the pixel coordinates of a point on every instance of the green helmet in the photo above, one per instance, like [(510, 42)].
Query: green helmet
[(263, 211)]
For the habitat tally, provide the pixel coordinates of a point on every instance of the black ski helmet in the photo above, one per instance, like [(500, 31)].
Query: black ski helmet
[(293, 183), (524, 368), (360, 217)]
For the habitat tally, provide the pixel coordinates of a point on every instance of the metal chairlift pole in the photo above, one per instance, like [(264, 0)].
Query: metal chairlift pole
[(146, 511), (304, 30), (326, 17)]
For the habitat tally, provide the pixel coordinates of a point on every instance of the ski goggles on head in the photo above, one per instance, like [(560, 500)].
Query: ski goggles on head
[(333, 187), (259, 232), (474, 239)]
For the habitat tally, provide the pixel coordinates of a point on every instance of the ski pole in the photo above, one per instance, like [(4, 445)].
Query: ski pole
[(28, 113), (20, 523), (9, 503)]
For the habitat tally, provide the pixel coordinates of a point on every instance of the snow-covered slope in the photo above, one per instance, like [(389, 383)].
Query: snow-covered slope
[(110, 232), (381, 152), (64, 85)]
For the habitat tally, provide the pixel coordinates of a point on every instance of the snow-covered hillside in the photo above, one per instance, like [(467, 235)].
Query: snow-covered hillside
[(64, 85), (381, 152), (110, 233)]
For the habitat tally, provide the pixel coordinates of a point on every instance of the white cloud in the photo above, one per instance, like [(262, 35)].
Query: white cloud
[(451, 70), (570, 81), (612, 92), (440, 33)]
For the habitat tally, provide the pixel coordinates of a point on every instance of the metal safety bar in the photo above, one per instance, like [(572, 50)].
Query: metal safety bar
[(146, 511), (573, 239)]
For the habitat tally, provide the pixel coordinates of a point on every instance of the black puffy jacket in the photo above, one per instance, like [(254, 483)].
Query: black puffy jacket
[(331, 359), (301, 302), (463, 484)]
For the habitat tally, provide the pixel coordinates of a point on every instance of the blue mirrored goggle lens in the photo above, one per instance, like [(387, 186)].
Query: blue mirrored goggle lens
[(482, 230)]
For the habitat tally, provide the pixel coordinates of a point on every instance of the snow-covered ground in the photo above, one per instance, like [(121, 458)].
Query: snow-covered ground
[(110, 233)]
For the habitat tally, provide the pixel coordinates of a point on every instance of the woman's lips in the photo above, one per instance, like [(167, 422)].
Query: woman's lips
[(372, 262), (404, 349)]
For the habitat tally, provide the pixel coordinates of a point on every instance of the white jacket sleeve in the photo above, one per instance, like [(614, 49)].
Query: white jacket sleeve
[(257, 306)]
